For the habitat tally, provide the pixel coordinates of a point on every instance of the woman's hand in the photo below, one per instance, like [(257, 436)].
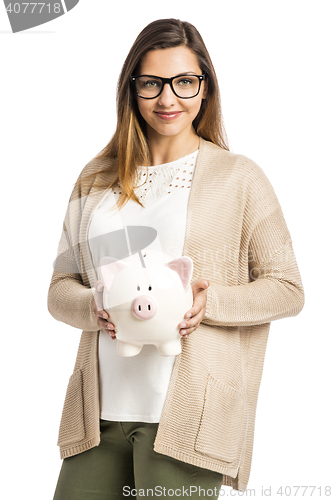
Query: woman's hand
[(197, 311), (101, 315)]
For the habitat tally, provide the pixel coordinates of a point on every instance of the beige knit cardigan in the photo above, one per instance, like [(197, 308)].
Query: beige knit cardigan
[(238, 239)]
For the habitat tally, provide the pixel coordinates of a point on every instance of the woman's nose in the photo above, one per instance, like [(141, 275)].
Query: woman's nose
[(167, 97)]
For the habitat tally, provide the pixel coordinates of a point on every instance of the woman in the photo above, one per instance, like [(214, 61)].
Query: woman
[(163, 426)]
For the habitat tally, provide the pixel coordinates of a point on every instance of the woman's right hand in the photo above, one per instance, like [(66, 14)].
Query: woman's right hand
[(101, 315)]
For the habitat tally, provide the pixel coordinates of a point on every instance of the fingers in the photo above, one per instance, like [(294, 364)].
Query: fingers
[(199, 289), (107, 327), (198, 306), (105, 324), (101, 315), (187, 327), (194, 316), (111, 331)]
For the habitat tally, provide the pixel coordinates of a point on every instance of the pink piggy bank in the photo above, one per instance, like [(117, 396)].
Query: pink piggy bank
[(146, 300)]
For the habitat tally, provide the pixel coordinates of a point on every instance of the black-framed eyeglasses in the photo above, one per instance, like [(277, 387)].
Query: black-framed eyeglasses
[(183, 86)]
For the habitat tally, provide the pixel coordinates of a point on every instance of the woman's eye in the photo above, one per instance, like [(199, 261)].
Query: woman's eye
[(149, 288), (150, 84), (184, 83), (147, 84), (138, 288)]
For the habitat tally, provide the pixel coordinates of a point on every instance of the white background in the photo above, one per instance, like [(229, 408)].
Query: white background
[(274, 64)]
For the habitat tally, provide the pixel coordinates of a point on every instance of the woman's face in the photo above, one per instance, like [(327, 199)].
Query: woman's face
[(167, 114)]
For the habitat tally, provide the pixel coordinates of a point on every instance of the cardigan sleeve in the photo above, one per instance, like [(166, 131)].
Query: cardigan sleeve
[(69, 299), (276, 293), (274, 289), (71, 302)]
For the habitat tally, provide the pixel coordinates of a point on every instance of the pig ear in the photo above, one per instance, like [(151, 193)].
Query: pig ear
[(110, 267), (184, 268)]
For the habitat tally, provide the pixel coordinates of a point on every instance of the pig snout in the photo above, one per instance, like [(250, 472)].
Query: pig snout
[(144, 307)]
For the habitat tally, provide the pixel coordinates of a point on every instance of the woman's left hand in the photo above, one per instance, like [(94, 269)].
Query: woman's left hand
[(197, 311)]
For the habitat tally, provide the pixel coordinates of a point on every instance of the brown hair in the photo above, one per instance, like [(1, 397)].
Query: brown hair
[(129, 146)]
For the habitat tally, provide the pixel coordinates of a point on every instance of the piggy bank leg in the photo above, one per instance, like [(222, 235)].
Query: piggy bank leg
[(171, 348), (127, 350)]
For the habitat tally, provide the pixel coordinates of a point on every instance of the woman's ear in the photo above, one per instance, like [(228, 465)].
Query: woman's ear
[(205, 91)]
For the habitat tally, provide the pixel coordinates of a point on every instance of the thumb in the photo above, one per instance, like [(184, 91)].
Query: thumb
[(201, 284), (204, 283), (99, 287)]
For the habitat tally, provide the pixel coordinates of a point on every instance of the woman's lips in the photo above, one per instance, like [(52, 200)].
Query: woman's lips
[(168, 115)]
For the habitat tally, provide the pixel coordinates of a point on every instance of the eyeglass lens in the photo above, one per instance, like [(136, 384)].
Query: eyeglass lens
[(184, 86)]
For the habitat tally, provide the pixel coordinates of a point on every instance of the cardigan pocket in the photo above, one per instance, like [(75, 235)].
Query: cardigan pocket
[(221, 427), (72, 424)]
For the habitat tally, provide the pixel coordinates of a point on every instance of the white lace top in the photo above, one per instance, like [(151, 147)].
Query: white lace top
[(134, 389), (156, 181)]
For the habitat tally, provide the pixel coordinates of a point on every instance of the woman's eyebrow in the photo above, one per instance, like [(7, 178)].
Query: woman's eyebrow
[(187, 73), (179, 74)]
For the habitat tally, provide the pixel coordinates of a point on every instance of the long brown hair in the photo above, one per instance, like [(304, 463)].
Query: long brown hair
[(129, 147)]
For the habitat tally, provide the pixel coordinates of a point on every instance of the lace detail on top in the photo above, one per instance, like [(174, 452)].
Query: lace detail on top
[(161, 180)]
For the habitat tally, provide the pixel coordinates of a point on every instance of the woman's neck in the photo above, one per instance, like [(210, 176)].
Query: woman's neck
[(164, 149)]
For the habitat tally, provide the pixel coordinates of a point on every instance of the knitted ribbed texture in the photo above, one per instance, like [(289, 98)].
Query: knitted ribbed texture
[(238, 239)]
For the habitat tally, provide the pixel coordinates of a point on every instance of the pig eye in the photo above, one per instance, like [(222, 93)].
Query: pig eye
[(149, 288), (138, 288)]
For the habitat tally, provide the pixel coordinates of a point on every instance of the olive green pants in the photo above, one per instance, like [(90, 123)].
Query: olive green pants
[(124, 465)]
